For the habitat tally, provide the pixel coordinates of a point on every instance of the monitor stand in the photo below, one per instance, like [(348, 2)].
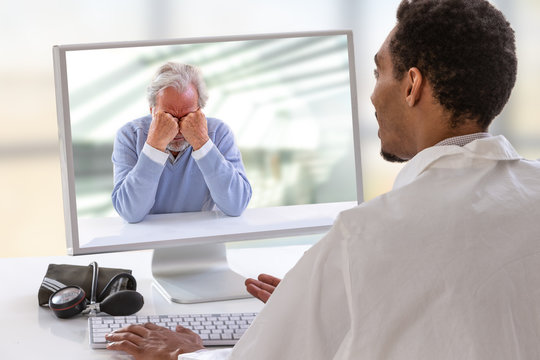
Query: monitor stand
[(196, 273)]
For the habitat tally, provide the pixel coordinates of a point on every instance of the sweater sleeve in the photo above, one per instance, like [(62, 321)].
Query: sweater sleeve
[(136, 178), (225, 176)]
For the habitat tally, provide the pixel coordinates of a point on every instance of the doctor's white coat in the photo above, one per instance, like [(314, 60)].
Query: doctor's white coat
[(444, 266)]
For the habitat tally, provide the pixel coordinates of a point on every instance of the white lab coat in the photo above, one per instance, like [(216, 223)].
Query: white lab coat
[(444, 266)]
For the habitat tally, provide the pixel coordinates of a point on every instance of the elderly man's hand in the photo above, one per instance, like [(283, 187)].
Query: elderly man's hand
[(163, 128), (263, 287), (152, 342), (194, 128)]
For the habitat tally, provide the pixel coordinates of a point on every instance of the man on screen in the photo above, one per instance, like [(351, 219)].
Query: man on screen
[(445, 266), (176, 159)]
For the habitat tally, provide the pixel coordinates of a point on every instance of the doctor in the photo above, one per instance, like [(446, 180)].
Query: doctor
[(444, 266)]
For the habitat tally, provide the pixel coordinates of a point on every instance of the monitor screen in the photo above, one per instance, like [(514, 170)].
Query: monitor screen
[(289, 100)]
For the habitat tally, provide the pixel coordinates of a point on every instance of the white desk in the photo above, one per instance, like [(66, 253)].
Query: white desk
[(28, 331), (98, 235)]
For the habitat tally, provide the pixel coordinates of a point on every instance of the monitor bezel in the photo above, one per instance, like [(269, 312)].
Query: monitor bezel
[(66, 148)]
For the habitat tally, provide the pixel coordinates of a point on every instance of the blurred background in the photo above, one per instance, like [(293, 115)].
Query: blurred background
[(30, 186)]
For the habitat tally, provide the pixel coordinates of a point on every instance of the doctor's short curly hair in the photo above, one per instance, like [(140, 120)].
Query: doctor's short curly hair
[(466, 50)]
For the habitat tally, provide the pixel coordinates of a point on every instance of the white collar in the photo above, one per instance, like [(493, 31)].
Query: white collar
[(489, 148)]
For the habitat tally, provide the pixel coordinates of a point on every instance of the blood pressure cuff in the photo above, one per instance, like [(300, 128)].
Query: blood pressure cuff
[(60, 276)]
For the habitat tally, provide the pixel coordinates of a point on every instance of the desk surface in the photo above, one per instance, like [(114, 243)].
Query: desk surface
[(28, 331), (98, 235)]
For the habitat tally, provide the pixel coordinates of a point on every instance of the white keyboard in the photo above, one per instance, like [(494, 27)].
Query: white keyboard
[(214, 329)]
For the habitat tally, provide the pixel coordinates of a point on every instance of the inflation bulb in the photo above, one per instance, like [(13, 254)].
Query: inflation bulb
[(121, 303)]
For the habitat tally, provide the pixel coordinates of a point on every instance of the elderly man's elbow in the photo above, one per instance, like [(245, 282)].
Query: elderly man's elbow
[(134, 219), (235, 212), (131, 217), (241, 206)]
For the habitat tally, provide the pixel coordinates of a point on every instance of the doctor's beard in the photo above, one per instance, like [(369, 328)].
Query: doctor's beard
[(391, 157)]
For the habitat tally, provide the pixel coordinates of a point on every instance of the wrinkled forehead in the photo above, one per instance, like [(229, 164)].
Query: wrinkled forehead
[(177, 103)]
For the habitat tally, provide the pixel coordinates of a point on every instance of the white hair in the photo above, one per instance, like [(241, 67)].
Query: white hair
[(179, 76)]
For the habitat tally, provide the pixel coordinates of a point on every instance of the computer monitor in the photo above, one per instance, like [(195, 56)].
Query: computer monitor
[(290, 100)]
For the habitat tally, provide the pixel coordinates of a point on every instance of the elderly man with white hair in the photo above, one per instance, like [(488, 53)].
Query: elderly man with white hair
[(176, 159)]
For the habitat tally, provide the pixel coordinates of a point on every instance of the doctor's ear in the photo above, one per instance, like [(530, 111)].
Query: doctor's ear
[(415, 83)]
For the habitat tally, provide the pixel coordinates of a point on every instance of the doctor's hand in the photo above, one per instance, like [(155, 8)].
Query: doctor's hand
[(194, 128), (163, 129), (263, 287), (153, 342)]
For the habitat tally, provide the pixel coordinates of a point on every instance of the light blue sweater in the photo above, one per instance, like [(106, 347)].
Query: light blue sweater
[(143, 186)]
